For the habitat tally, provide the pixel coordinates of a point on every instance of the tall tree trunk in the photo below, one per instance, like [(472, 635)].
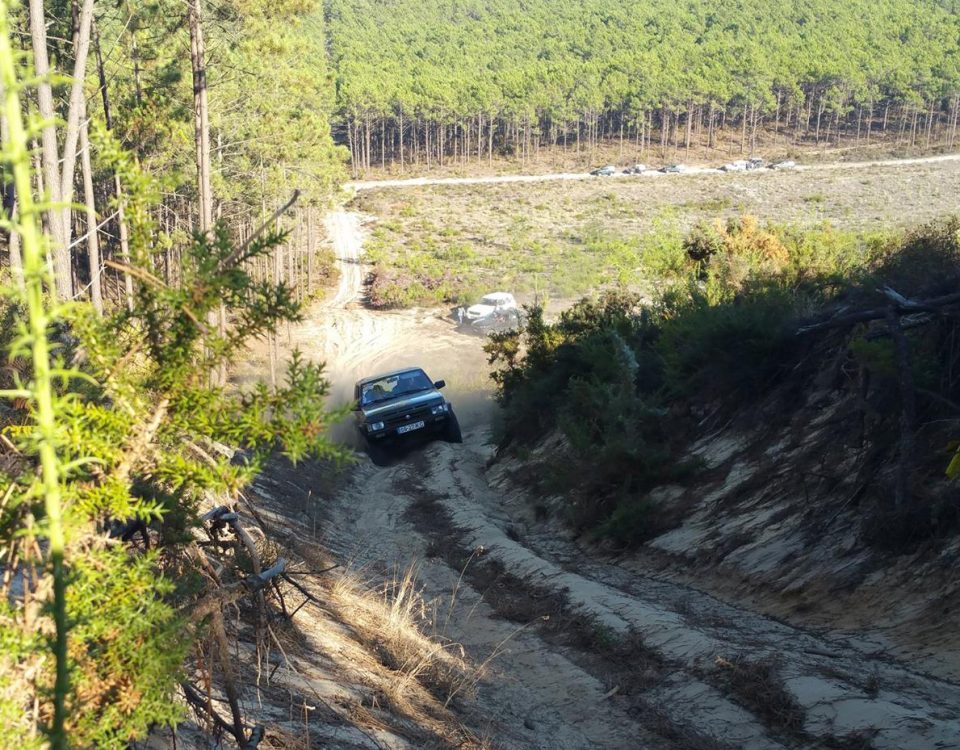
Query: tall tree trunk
[(490, 140), (953, 126), (401, 139), (50, 153), (93, 244), (201, 114), (711, 133), (121, 216), (353, 148), (78, 108), (664, 130), (102, 75), (311, 250), (366, 140), (743, 129), (10, 204), (776, 118), (820, 109), (135, 57)]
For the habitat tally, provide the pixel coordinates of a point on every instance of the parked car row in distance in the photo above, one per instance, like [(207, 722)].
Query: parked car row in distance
[(740, 165)]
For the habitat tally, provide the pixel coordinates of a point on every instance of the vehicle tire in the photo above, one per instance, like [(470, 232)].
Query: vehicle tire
[(378, 453), (451, 431)]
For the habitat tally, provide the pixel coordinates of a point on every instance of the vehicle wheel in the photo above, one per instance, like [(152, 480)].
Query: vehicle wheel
[(378, 453), (451, 432)]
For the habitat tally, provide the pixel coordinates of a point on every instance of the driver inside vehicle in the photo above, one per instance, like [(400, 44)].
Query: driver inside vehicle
[(373, 394)]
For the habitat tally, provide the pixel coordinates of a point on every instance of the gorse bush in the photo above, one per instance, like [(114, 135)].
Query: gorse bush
[(618, 379), (728, 348), (112, 421)]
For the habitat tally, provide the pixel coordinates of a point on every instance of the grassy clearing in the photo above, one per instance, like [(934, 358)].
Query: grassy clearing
[(559, 240)]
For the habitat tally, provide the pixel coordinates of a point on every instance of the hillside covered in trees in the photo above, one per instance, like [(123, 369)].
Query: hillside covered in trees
[(217, 110), (462, 80)]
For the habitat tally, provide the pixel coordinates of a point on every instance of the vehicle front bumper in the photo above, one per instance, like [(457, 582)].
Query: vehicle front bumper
[(432, 423)]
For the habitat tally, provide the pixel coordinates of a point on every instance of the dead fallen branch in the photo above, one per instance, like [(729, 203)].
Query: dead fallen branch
[(196, 700), (897, 302), (214, 601)]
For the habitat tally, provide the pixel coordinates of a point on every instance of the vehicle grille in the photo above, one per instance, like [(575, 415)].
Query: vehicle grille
[(405, 417)]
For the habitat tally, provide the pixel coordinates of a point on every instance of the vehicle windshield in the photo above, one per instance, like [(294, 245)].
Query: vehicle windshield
[(491, 301), (394, 386)]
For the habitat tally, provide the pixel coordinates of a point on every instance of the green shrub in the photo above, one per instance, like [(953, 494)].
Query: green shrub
[(703, 242), (614, 377), (728, 349)]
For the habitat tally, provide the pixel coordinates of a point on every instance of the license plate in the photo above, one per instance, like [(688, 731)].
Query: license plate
[(411, 427)]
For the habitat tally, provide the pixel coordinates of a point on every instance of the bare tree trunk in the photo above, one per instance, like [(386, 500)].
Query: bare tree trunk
[(711, 132), (102, 75), (401, 139), (743, 130), (10, 204), (953, 126), (490, 142), (776, 118), (118, 191), (820, 109), (201, 114), (93, 244), (50, 152), (76, 112)]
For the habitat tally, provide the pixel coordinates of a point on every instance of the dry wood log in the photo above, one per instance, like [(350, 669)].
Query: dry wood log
[(898, 303), (230, 593)]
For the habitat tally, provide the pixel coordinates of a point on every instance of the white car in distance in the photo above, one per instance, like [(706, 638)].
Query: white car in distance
[(492, 305), (741, 165)]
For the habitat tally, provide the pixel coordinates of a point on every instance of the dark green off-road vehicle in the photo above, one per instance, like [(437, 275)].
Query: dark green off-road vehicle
[(401, 405)]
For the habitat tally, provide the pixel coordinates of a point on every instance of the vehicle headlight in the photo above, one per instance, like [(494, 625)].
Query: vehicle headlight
[(440, 409), (375, 427)]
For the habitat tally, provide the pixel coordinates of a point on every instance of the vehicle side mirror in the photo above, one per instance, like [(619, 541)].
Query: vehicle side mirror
[(440, 384)]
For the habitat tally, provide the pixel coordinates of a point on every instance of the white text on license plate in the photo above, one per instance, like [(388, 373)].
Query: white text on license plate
[(410, 427)]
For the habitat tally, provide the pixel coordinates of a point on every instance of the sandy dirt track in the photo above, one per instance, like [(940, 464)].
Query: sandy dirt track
[(359, 185), (550, 693)]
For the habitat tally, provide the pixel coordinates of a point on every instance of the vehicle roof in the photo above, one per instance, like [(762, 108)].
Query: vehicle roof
[(498, 295), (392, 373)]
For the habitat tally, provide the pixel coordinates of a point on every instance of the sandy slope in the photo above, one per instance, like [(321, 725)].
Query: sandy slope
[(547, 693)]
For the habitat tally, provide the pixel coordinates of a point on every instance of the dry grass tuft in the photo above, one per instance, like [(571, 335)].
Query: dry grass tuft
[(759, 687), (393, 623)]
